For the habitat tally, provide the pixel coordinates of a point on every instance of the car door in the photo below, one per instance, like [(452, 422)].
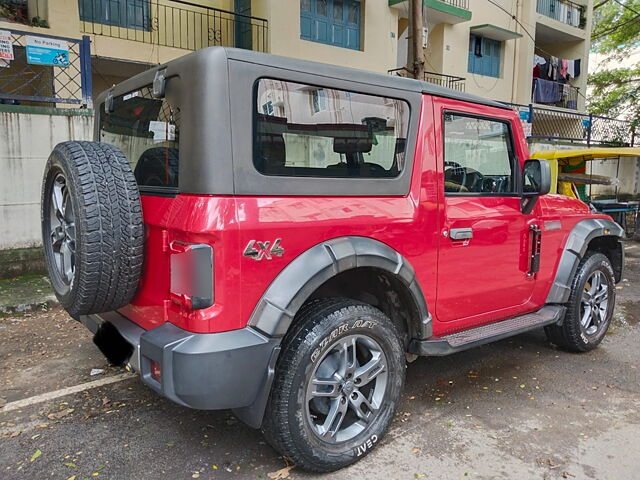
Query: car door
[(484, 239)]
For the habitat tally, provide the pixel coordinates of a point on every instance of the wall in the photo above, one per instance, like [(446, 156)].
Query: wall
[(26, 140), (378, 41), (456, 47)]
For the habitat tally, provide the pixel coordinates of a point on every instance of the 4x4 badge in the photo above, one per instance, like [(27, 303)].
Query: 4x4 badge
[(259, 250)]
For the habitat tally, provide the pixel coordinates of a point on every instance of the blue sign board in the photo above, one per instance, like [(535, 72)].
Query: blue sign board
[(47, 51)]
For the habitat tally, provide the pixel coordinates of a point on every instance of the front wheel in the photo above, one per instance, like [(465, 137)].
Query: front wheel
[(590, 306), (338, 381)]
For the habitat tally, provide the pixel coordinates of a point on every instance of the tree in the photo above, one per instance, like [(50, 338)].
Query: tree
[(616, 35)]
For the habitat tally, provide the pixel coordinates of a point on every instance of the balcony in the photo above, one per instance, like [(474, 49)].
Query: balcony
[(447, 81), (25, 12), (563, 11), (439, 11), (175, 24)]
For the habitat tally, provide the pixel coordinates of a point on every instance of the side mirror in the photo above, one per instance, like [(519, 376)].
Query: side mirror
[(536, 181), (536, 178)]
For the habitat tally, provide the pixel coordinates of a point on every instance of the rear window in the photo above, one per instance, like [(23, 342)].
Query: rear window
[(310, 131), (147, 130)]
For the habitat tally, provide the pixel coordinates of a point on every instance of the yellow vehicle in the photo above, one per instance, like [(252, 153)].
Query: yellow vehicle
[(569, 173)]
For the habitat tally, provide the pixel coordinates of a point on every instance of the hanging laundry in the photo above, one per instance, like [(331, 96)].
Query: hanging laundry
[(576, 67), (545, 91), (544, 70), (563, 68), (538, 60), (553, 68), (571, 69), (575, 17)]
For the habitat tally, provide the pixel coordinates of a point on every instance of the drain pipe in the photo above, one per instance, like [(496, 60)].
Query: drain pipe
[(516, 48)]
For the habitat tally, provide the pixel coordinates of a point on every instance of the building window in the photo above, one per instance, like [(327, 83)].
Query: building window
[(484, 56), (267, 108), (334, 22), (319, 101), (119, 13)]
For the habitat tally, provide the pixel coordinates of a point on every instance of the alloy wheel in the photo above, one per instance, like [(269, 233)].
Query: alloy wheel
[(346, 389), (62, 229), (594, 303)]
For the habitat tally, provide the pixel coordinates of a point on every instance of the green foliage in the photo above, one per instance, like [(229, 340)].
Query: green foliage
[(616, 27), (616, 34)]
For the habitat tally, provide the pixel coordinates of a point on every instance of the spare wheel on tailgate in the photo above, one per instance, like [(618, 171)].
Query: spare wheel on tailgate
[(92, 227)]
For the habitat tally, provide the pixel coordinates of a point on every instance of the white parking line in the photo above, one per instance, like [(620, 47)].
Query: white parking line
[(25, 402)]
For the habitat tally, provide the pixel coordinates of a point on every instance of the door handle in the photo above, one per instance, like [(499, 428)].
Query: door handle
[(461, 233)]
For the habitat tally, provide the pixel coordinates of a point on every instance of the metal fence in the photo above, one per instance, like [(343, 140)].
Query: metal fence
[(552, 124), (177, 24), (448, 81), (25, 82), (464, 4)]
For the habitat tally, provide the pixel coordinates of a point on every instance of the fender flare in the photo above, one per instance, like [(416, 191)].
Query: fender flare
[(279, 304), (574, 250)]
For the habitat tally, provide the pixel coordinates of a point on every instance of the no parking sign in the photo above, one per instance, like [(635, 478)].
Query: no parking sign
[(47, 51)]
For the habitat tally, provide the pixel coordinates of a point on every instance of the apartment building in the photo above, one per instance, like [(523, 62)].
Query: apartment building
[(485, 47)]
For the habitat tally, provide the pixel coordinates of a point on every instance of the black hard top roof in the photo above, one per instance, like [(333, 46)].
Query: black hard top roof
[(361, 76), (211, 59)]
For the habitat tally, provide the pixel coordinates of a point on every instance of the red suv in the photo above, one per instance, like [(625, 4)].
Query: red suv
[(278, 237)]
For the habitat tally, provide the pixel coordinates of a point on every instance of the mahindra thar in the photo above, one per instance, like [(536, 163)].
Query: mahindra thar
[(280, 237)]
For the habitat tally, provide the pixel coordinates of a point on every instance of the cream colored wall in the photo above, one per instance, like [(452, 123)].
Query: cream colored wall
[(378, 41), (456, 46), (434, 53)]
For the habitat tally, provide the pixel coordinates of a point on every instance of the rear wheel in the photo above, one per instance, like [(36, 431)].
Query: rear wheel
[(338, 382), (590, 306)]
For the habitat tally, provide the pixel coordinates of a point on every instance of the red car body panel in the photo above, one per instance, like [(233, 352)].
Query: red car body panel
[(465, 284)]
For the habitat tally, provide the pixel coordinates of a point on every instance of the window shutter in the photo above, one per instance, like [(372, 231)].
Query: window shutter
[(335, 22), (495, 60)]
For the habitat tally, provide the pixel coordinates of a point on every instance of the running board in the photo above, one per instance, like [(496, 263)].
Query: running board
[(459, 341)]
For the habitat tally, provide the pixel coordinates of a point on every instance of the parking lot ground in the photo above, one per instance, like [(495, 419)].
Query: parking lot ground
[(519, 408)]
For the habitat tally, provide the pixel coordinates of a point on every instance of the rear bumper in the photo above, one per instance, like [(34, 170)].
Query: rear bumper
[(205, 371)]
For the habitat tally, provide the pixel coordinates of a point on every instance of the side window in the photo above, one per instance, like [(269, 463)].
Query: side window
[(321, 132), (478, 156)]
